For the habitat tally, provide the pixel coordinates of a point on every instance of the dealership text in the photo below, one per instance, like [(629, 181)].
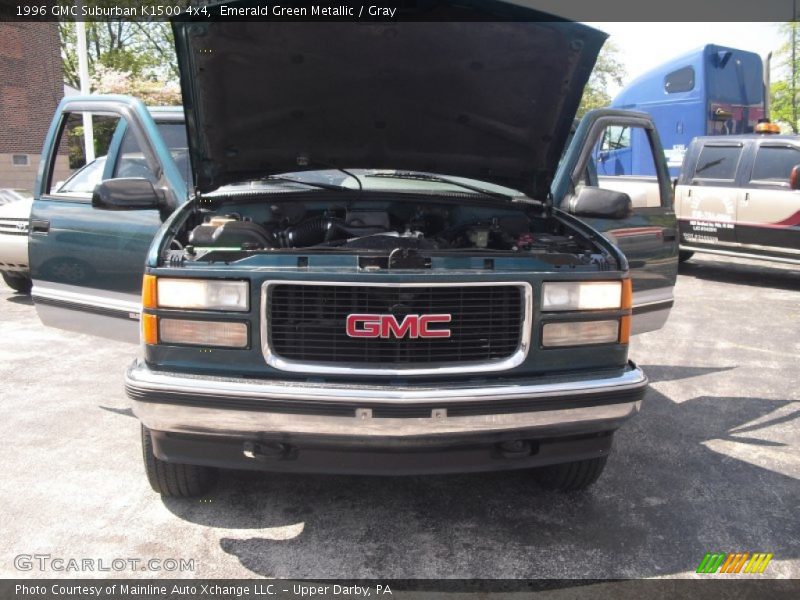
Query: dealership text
[(48, 562), (204, 590)]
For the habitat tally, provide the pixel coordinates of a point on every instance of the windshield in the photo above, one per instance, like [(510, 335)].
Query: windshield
[(174, 136), (378, 180)]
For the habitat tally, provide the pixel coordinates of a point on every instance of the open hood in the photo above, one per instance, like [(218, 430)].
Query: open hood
[(491, 100)]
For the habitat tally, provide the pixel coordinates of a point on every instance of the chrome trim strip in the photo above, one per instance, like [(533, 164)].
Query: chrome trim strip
[(664, 303), (210, 421), (512, 361), (139, 376), (655, 296), (101, 299)]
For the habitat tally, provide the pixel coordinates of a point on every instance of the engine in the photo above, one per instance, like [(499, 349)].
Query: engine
[(380, 230)]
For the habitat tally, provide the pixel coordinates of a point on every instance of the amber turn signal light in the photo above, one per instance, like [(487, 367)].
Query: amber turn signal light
[(627, 304), (150, 291), (149, 329)]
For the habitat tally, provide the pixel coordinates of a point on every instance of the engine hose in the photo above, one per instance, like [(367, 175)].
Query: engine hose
[(309, 233)]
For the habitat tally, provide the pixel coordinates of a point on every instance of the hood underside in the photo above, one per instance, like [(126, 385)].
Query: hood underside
[(492, 101)]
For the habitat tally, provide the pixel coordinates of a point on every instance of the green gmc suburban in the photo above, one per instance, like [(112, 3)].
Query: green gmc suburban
[(367, 251)]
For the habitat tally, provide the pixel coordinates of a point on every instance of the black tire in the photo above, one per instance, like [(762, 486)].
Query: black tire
[(175, 480), (571, 476), (684, 255), (18, 283)]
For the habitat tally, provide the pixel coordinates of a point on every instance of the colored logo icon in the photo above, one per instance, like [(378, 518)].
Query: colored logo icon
[(734, 562)]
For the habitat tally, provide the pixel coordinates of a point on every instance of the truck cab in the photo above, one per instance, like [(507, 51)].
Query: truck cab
[(713, 90), (740, 196), (354, 282)]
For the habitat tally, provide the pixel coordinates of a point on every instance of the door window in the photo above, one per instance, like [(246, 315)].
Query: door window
[(174, 135), (681, 80), (623, 161), (131, 161), (616, 137), (83, 172), (774, 164), (718, 162), (84, 179)]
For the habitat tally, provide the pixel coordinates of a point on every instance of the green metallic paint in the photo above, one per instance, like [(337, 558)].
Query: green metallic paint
[(648, 237), (92, 248), (114, 245), (250, 363)]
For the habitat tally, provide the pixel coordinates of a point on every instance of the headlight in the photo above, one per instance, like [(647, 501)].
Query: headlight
[(221, 334), (202, 294), (581, 295), (580, 333)]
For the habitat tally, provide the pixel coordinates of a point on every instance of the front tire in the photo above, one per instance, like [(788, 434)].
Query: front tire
[(175, 480), (684, 255), (572, 476), (18, 283)]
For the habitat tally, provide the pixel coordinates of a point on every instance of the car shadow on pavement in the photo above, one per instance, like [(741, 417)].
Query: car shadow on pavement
[(656, 373), (125, 412), (18, 298), (762, 275), (664, 500)]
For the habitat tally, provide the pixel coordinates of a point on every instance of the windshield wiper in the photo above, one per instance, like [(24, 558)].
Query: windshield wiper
[(708, 165), (411, 175), (324, 186)]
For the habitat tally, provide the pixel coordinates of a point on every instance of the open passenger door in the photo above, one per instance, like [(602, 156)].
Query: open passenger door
[(647, 232)]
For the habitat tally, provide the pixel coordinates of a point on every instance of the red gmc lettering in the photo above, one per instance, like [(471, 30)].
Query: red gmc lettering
[(426, 320), (389, 326), (384, 326), (370, 326)]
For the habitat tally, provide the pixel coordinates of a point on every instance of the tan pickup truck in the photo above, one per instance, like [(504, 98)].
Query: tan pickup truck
[(740, 196)]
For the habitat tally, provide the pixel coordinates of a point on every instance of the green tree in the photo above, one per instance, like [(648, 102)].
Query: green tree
[(607, 70), (143, 49), (784, 106), (151, 91)]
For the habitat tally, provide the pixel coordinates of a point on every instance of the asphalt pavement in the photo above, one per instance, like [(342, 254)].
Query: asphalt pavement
[(711, 464)]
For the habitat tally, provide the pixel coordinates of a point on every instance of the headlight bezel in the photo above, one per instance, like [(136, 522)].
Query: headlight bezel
[(199, 302), (603, 302)]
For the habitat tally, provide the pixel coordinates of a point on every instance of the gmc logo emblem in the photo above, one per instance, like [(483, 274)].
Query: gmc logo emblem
[(384, 326)]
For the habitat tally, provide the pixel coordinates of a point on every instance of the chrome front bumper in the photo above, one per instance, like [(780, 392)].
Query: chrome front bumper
[(181, 403)]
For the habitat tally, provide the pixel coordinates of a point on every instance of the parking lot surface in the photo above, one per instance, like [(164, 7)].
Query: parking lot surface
[(710, 464)]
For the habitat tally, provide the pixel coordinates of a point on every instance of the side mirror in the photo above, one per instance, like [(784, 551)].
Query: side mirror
[(794, 178), (601, 203), (134, 193)]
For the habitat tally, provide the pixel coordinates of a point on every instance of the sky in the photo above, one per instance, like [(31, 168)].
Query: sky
[(645, 45)]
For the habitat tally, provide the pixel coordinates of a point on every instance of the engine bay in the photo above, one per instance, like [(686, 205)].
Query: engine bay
[(235, 229)]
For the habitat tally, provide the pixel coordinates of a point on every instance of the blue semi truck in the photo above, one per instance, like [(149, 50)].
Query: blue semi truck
[(714, 90)]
